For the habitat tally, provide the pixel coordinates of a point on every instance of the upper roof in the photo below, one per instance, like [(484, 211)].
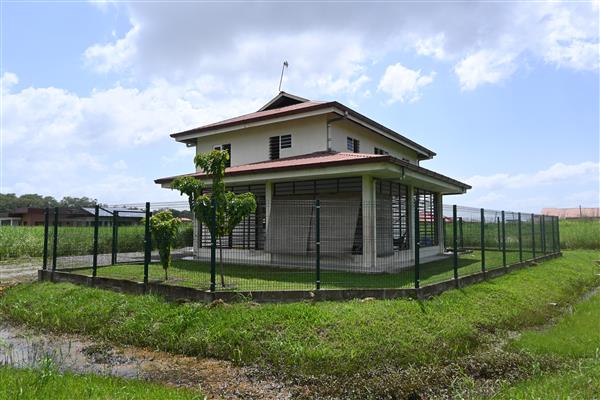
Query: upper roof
[(320, 159), (285, 104)]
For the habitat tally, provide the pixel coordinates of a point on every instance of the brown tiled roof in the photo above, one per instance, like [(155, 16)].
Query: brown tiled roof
[(302, 108), (576, 212), (320, 159)]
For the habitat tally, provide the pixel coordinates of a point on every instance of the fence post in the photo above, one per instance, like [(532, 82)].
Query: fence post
[(482, 234), (213, 245), (455, 243), (460, 233), (417, 248), (318, 242), (95, 250), (46, 223), (113, 251), (147, 245), (520, 240), (55, 239), (557, 234), (543, 232), (499, 237), (503, 241), (533, 236)]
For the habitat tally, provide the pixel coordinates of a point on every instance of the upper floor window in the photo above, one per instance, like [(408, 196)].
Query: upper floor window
[(381, 151), (353, 145), (227, 148), (276, 143)]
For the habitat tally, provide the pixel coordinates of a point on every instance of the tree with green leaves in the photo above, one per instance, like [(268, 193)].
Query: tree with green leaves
[(230, 209), (164, 228)]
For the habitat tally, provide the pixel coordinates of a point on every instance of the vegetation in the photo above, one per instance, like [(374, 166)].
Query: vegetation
[(229, 209), (10, 201), (259, 277), (48, 383), (24, 241), (164, 229), (315, 338), (575, 337), (580, 234)]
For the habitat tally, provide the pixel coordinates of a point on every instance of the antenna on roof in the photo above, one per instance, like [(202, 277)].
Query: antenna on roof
[(285, 65)]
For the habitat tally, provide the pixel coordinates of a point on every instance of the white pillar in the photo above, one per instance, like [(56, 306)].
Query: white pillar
[(369, 221)]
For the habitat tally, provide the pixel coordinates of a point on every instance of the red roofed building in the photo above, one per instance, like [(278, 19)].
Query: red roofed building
[(368, 178)]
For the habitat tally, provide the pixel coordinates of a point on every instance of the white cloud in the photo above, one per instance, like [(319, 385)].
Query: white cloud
[(487, 43), (403, 84), (588, 171), (8, 80), (74, 145), (560, 185), (484, 67)]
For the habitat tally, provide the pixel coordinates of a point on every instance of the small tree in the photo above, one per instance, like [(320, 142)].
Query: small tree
[(230, 210), (164, 227)]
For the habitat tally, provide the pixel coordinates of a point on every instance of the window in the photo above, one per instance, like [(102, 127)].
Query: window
[(381, 151), (286, 141), (276, 143), (274, 148), (426, 203), (227, 148), (353, 145)]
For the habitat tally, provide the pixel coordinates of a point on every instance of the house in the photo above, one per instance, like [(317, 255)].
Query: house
[(73, 216), (368, 178), (573, 213)]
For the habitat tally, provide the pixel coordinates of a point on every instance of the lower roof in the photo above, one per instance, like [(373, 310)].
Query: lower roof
[(320, 160)]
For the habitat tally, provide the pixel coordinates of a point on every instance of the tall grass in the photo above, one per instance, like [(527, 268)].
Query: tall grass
[(580, 234), (24, 241)]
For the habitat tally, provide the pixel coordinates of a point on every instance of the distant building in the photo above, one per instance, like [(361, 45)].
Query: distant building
[(76, 216), (572, 213)]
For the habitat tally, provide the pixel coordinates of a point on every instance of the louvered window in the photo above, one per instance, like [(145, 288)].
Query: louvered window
[(286, 141), (274, 148), (227, 148)]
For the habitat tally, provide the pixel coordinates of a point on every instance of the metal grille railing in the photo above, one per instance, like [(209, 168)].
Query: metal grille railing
[(302, 244)]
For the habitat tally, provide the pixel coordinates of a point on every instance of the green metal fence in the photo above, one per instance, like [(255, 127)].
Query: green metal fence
[(301, 245)]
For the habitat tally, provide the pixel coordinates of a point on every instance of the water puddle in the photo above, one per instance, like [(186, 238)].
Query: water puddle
[(217, 379)]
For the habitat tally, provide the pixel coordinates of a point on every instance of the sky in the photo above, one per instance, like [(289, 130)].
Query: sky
[(506, 93)]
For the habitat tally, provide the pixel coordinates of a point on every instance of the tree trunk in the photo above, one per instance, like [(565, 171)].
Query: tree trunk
[(221, 261)]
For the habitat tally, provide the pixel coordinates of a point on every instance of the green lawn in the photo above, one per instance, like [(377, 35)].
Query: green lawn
[(323, 337), (47, 383), (252, 277), (575, 337)]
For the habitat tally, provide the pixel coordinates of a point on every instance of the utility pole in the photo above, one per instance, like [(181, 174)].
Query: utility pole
[(283, 67)]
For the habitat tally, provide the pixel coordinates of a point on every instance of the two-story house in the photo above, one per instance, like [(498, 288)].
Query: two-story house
[(367, 177)]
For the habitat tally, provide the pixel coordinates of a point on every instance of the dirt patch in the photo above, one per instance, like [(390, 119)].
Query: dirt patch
[(215, 378)]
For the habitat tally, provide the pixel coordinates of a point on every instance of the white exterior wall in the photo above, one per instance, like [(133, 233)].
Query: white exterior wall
[(340, 130), (249, 145)]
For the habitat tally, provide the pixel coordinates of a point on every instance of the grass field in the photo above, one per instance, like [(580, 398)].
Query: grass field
[(251, 277), (580, 234), (306, 337), (48, 383), (576, 337), (28, 241)]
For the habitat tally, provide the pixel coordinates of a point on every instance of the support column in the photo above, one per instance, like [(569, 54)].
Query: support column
[(369, 221)]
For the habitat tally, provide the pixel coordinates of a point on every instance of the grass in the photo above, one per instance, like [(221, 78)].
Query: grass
[(582, 382), (313, 338), (580, 234), (28, 241), (47, 383), (253, 277), (576, 337)]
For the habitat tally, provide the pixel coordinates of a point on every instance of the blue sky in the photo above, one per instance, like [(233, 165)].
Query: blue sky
[(507, 94)]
